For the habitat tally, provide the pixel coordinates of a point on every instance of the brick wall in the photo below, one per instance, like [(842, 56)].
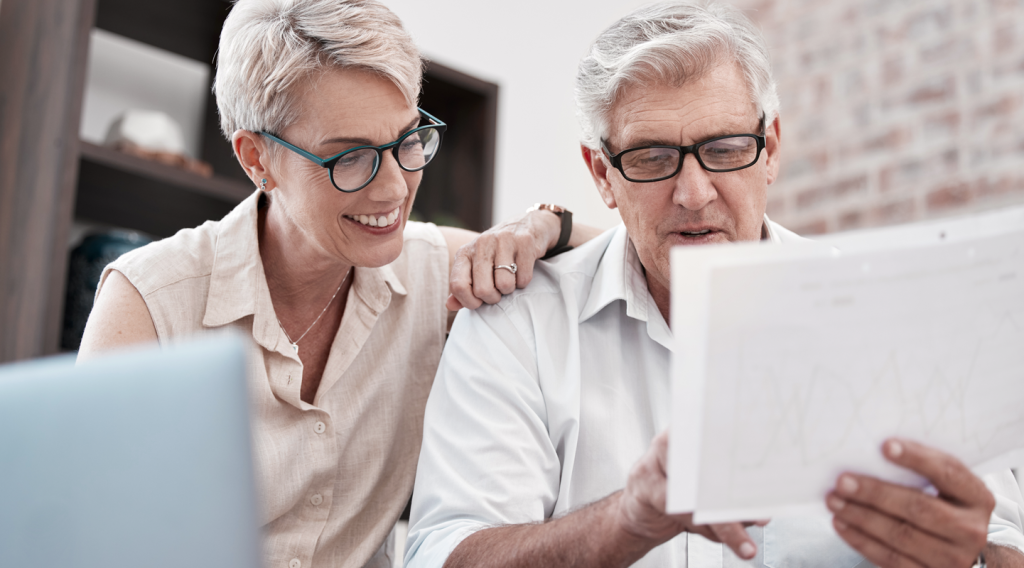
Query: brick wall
[(895, 110)]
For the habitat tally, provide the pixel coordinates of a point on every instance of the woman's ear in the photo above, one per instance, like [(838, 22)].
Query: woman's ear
[(251, 151)]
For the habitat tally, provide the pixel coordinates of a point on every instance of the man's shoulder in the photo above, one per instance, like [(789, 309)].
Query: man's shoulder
[(784, 235), (563, 280)]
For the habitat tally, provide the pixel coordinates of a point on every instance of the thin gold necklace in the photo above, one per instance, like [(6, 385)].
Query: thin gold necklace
[(295, 344)]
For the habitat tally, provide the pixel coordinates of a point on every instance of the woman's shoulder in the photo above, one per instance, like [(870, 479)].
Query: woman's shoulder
[(188, 254), (423, 263), (426, 234)]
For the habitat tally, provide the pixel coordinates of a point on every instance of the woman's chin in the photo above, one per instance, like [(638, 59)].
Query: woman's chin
[(377, 255)]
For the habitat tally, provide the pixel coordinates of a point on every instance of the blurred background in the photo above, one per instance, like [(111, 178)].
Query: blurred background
[(892, 111)]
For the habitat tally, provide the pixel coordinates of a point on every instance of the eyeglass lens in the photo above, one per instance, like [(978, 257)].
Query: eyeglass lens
[(415, 151), (728, 153)]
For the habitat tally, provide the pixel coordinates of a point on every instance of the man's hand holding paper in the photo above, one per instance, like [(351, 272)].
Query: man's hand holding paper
[(641, 507), (895, 525)]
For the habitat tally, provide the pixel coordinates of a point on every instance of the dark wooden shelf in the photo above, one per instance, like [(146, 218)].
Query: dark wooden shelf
[(127, 191)]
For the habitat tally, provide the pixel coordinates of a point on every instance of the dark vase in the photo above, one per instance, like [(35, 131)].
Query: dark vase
[(84, 269)]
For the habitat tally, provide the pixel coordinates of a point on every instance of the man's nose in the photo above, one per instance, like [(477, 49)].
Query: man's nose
[(694, 189)]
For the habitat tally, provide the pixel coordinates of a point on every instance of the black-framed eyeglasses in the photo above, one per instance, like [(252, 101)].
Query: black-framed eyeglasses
[(355, 168), (661, 161)]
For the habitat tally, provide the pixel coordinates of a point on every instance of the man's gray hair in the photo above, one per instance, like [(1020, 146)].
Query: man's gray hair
[(670, 43), (269, 48)]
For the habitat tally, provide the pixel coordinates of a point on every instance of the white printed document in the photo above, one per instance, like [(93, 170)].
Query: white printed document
[(794, 362)]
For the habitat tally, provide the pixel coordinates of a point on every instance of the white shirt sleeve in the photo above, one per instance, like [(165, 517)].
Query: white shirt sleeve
[(1006, 527), (487, 458)]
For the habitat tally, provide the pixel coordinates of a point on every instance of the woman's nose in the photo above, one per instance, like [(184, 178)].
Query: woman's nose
[(389, 184)]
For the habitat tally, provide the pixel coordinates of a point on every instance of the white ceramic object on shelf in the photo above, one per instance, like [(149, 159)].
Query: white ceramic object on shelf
[(147, 129)]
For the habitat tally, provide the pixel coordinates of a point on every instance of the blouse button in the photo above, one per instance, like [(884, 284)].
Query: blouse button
[(319, 428), (295, 563), (316, 499)]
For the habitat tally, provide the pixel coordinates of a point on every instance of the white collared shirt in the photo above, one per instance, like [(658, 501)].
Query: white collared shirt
[(543, 403)]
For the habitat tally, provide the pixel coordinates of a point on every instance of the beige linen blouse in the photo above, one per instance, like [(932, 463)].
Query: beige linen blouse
[(333, 476)]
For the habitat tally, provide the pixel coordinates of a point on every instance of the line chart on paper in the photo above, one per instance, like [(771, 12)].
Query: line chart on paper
[(812, 367)]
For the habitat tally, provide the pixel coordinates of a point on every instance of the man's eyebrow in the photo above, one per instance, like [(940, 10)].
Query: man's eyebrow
[(366, 141), (712, 134)]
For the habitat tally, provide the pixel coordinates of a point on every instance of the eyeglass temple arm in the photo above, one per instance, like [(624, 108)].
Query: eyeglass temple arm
[(431, 117), (311, 157), (614, 160)]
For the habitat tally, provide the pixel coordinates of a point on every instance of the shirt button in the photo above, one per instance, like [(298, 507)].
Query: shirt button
[(319, 428), (295, 563), (316, 499)]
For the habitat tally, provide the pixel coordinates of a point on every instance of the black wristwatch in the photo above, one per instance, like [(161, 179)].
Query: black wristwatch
[(563, 237)]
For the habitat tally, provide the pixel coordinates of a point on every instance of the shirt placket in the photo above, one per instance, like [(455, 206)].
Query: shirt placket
[(317, 427)]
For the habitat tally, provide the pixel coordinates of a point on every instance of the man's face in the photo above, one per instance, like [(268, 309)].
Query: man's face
[(695, 207)]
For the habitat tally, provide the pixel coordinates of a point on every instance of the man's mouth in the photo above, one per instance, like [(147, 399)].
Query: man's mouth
[(376, 220), (695, 233)]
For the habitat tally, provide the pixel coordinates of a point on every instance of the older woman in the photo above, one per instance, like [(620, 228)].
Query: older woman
[(344, 298)]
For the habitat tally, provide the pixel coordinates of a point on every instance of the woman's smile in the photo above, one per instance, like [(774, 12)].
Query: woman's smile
[(378, 220)]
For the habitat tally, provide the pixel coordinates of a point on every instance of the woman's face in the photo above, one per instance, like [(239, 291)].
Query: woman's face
[(341, 110)]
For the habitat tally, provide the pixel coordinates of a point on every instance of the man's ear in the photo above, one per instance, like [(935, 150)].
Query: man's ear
[(773, 147), (251, 151), (600, 169)]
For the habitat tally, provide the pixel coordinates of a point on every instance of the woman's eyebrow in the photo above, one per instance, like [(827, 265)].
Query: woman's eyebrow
[(366, 141)]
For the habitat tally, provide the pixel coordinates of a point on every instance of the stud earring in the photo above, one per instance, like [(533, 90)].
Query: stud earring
[(263, 184)]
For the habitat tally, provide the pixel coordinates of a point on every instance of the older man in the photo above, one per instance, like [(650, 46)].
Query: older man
[(538, 444)]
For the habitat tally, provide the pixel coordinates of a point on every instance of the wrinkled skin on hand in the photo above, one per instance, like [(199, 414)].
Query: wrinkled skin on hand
[(895, 526)]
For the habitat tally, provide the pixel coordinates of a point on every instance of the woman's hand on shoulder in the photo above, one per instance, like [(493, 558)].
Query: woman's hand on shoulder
[(482, 266), (119, 318)]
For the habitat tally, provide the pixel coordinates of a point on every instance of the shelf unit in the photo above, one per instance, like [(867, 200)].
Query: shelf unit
[(115, 188), (49, 178)]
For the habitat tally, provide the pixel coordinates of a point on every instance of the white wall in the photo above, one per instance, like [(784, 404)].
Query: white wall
[(531, 49)]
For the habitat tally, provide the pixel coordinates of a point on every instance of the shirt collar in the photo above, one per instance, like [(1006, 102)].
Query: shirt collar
[(619, 276), (767, 233), (238, 285), (235, 278)]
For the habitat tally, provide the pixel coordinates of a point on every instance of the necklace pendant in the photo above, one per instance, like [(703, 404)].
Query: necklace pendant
[(295, 346)]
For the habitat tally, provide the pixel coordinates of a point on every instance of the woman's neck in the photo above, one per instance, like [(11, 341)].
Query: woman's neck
[(300, 275)]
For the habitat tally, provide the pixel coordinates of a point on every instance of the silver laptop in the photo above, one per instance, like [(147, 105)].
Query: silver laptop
[(141, 458)]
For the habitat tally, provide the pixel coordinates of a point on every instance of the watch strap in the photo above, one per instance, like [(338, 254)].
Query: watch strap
[(563, 237), (566, 230)]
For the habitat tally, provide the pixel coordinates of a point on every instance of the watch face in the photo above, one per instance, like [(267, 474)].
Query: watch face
[(556, 209)]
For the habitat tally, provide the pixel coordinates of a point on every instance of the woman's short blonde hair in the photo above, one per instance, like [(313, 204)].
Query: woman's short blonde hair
[(268, 48)]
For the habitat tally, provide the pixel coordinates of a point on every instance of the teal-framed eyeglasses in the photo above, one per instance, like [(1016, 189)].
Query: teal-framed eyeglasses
[(355, 168)]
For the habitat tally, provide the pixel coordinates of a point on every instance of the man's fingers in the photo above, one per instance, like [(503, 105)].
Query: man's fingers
[(876, 552), (945, 472), (911, 505), (897, 534), (648, 475), (736, 538), (660, 448)]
